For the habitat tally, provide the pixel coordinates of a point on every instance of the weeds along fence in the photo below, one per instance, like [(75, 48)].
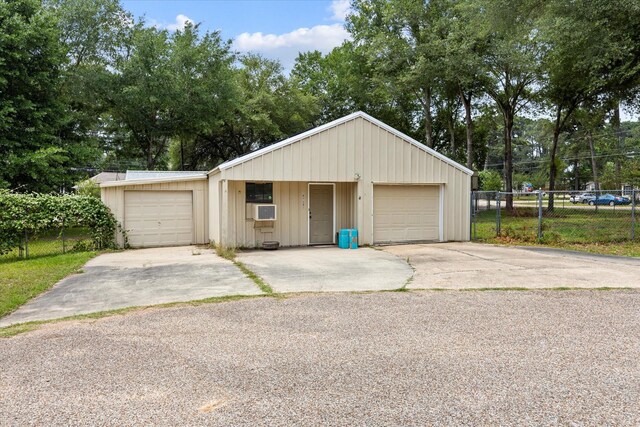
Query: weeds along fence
[(555, 217)]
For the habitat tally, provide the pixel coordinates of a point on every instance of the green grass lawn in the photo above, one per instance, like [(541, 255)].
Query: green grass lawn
[(24, 279), (606, 230)]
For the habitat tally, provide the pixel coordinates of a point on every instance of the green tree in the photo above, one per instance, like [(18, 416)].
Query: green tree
[(582, 39), (94, 33), (206, 92), (342, 82), (266, 108), (511, 64), (490, 180), (404, 48), (138, 95), (33, 157)]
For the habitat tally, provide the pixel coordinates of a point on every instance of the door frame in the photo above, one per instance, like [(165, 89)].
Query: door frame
[(333, 234)]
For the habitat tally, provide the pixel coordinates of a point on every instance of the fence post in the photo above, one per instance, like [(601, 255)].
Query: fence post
[(21, 248), (472, 214), (633, 214), (475, 217), (26, 243), (64, 248), (539, 216), (498, 207)]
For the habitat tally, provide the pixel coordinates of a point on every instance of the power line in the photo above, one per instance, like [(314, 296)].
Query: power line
[(632, 154)]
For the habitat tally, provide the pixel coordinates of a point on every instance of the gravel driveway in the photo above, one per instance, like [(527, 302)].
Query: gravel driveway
[(412, 358)]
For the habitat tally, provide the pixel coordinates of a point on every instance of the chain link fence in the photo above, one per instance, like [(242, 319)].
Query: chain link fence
[(51, 242), (555, 217)]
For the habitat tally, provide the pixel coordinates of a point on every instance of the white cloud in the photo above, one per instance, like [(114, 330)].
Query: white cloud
[(178, 24), (286, 47), (340, 9), (181, 22)]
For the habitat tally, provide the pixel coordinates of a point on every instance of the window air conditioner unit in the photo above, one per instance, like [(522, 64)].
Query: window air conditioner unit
[(264, 212)]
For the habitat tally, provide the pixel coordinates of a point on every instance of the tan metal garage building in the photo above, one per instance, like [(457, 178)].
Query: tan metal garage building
[(355, 172), (160, 211), (380, 181)]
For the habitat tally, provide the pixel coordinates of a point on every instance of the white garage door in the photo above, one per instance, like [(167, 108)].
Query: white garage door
[(404, 213), (158, 218)]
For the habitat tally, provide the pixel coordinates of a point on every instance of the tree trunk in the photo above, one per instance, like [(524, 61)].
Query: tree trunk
[(428, 121), (508, 157), (553, 167), (468, 121), (452, 133), (181, 155), (615, 121), (149, 155), (594, 164)]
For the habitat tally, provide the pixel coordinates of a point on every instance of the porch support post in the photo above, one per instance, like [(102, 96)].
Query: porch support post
[(224, 214)]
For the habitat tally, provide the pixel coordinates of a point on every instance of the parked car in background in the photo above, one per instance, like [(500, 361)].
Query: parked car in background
[(582, 198), (609, 199)]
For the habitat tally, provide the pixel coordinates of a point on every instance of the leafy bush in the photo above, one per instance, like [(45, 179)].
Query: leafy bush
[(88, 188), (490, 180), (36, 213)]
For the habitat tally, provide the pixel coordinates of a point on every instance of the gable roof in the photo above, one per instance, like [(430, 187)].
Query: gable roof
[(322, 128)]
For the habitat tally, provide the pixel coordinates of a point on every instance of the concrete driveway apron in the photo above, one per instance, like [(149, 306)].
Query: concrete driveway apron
[(137, 278)]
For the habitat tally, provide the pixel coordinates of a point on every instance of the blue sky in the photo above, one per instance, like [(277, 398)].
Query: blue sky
[(275, 28)]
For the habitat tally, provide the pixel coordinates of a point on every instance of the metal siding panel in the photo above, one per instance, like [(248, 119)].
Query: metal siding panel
[(415, 165), (391, 160), (315, 157), (351, 150), (284, 211), (373, 171), (398, 163), (296, 158), (342, 152), (287, 163), (406, 161), (278, 164), (322, 161), (360, 153), (332, 142), (267, 166), (306, 159)]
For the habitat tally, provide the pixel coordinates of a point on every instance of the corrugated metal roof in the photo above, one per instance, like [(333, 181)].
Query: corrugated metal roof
[(107, 176), (136, 175)]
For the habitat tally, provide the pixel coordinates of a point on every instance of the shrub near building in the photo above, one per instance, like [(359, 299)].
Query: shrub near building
[(38, 213)]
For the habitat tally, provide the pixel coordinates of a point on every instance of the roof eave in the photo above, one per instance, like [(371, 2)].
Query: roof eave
[(152, 181)]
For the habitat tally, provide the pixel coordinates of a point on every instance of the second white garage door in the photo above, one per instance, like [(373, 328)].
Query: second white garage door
[(158, 218), (405, 213)]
